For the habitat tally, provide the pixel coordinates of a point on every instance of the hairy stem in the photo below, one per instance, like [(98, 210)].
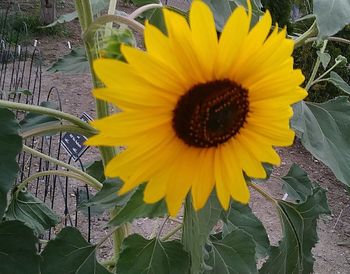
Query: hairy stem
[(316, 67), (142, 9), (25, 182), (47, 111), (259, 189), (91, 181)]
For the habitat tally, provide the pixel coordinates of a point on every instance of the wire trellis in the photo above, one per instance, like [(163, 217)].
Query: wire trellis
[(21, 81)]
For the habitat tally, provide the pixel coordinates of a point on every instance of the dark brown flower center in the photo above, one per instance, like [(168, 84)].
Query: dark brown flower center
[(210, 114)]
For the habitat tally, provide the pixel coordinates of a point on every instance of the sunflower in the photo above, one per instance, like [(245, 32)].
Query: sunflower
[(199, 112)]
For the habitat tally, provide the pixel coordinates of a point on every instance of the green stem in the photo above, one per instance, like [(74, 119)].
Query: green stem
[(332, 38), (47, 111), (91, 181), (262, 192), (111, 10), (54, 128), (316, 67), (307, 34), (25, 182), (102, 110), (190, 230), (326, 72)]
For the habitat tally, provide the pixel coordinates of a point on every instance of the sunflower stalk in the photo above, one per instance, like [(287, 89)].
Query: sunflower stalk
[(85, 15), (191, 231)]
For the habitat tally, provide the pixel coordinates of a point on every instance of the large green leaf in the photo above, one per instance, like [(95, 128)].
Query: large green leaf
[(18, 249), (299, 221), (96, 170), (336, 80), (74, 62), (324, 130), (235, 253), (10, 146), (331, 15), (221, 10), (112, 43), (297, 184), (256, 8), (142, 256), (241, 216), (33, 120), (33, 212), (70, 253), (135, 207), (97, 6)]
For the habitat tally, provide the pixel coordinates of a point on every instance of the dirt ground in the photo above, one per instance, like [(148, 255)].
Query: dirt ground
[(331, 254)]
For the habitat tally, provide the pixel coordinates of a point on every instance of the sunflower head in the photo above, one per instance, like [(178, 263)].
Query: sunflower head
[(199, 112)]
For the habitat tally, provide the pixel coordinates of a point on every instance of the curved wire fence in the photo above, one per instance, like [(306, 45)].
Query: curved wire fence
[(21, 81)]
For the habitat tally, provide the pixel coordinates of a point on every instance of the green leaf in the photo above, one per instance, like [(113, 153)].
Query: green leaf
[(299, 221), (256, 8), (221, 10), (235, 253), (33, 120), (70, 253), (74, 62), (142, 256), (112, 43), (96, 170), (337, 81), (18, 249), (23, 91), (297, 184), (137, 208), (156, 18), (324, 130), (241, 216), (10, 146), (325, 58), (107, 197), (97, 6), (331, 16), (33, 212), (68, 17)]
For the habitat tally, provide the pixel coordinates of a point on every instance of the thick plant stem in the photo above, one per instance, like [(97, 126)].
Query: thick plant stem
[(102, 110), (190, 230)]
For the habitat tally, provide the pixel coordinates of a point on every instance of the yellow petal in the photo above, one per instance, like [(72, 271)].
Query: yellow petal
[(154, 70), (204, 183), (252, 167), (204, 37), (232, 174), (181, 178), (222, 191), (180, 38), (231, 40)]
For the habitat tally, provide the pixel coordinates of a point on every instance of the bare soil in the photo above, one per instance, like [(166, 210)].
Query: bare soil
[(332, 253)]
